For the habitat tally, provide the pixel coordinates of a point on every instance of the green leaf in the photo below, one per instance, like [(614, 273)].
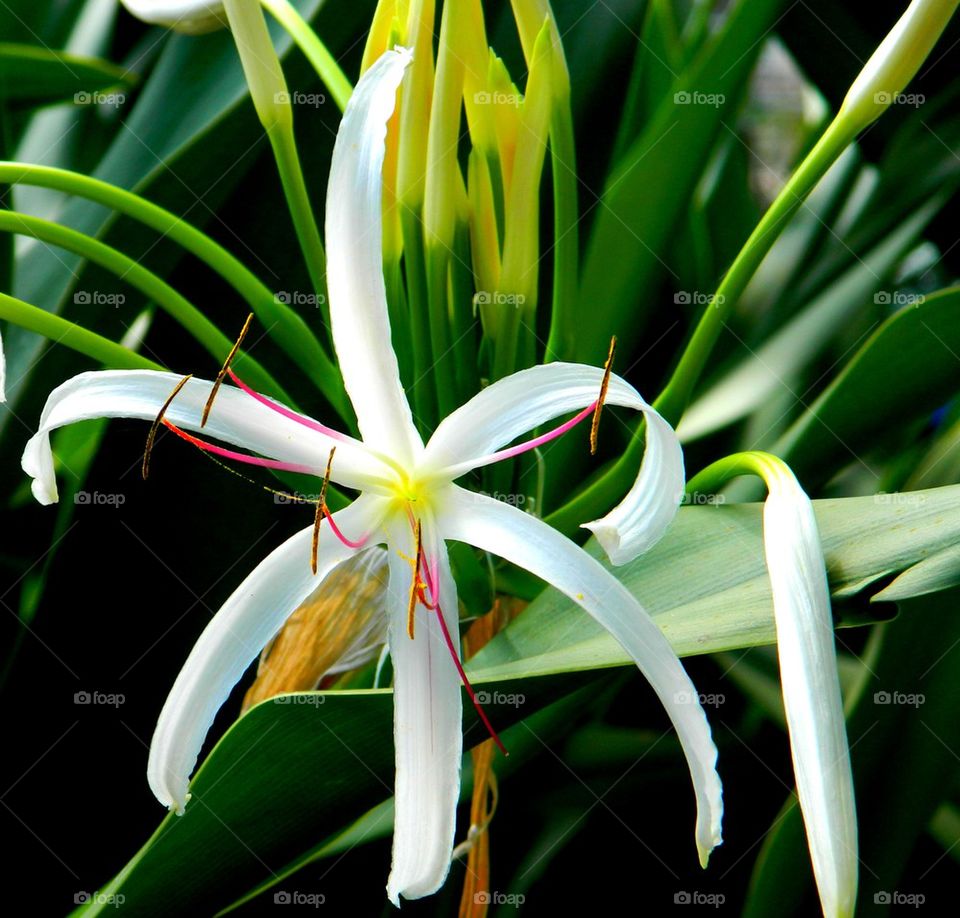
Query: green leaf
[(706, 582), (648, 190), (33, 76), (907, 368), (787, 354)]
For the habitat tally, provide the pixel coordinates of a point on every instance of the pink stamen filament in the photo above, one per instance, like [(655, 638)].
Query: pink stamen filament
[(466, 683), (431, 577), (286, 412), (525, 447), (239, 457), (350, 543)]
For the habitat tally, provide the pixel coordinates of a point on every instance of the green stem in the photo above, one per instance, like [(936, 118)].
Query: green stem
[(62, 331), (287, 328), (716, 475), (675, 397), (301, 212), (144, 280), (313, 49)]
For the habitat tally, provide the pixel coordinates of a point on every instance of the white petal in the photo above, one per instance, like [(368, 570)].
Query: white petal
[(358, 297), (811, 691), (427, 726), (533, 545), (191, 16), (514, 405), (233, 639), (236, 418)]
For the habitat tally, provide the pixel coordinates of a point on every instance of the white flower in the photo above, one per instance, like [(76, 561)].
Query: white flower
[(407, 491)]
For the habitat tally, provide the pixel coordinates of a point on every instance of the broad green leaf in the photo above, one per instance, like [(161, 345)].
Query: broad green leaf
[(33, 76), (706, 583)]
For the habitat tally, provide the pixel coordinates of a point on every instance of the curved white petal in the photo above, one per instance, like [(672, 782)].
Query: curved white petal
[(233, 639), (358, 297), (236, 418), (191, 16), (427, 725), (520, 402), (533, 545), (811, 690)]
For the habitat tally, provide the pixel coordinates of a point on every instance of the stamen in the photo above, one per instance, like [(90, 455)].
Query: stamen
[(466, 682), (595, 423), (239, 457), (223, 371), (286, 412), (152, 435), (512, 451), (321, 509), (416, 585), (432, 585), (350, 543)]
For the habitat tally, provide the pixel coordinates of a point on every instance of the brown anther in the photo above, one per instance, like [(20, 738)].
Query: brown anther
[(595, 423), (223, 371), (417, 585), (148, 449), (321, 512)]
